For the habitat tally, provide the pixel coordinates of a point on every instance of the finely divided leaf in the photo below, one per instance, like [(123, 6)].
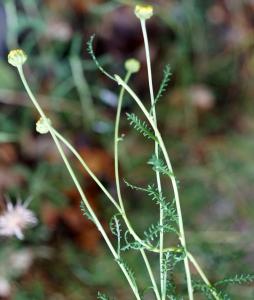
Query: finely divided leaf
[(85, 211), (91, 52), (140, 126), (101, 296), (159, 165), (237, 279), (165, 81)]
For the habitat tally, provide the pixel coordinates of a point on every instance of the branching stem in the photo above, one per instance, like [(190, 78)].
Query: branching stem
[(77, 184), (118, 187)]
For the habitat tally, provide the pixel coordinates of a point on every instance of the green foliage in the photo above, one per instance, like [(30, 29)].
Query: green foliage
[(164, 84), (209, 291), (159, 165), (115, 227), (92, 54), (204, 289), (171, 290), (129, 271), (155, 195), (153, 231), (135, 245), (170, 260), (85, 211), (101, 296), (140, 126), (152, 191), (237, 279)]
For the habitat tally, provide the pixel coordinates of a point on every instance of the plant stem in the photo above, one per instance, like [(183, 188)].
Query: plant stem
[(202, 275), (79, 188), (116, 142), (148, 266), (127, 222), (156, 151), (118, 187), (87, 169), (172, 177)]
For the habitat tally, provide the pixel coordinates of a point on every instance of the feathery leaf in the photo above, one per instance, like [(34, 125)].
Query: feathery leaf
[(158, 165), (129, 271), (237, 279), (140, 126), (85, 211), (91, 52), (101, 296), (164, 83), (115, 227)]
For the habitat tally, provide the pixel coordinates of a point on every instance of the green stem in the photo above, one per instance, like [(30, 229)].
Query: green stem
[(150, 272), (202, 275), (118, 187), (156, 151), (116, 142), (172, 177), (94, 177), (87, 169), (75, 180)]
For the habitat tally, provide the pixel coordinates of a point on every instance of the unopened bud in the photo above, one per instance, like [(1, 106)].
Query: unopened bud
[(17, 58), (132, 65), (42, 125), (144, 12)]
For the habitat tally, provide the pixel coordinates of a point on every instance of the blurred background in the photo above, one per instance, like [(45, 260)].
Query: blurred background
[(206, 118)]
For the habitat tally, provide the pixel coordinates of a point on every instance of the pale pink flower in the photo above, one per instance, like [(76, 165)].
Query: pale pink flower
[(15, 219)]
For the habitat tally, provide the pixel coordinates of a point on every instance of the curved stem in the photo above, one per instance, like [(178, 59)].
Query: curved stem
[(172, 177), (75, 180), (116, 142), (156, 151)]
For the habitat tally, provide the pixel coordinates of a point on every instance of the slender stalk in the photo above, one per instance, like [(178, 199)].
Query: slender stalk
[(202, 275), (148, 266), (79, 188), (116, 142), (127, 222), (118, 187), (87, 169), (156, 151), (172, 177)]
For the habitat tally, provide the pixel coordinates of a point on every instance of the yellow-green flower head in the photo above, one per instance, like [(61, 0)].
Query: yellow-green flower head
[(42, 125), (132, 65), (17, 57), (144, 12)]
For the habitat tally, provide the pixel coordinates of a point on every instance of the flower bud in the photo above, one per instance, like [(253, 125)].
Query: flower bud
[(132, 65), (17, 57), (42, 125), (144, 12)]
